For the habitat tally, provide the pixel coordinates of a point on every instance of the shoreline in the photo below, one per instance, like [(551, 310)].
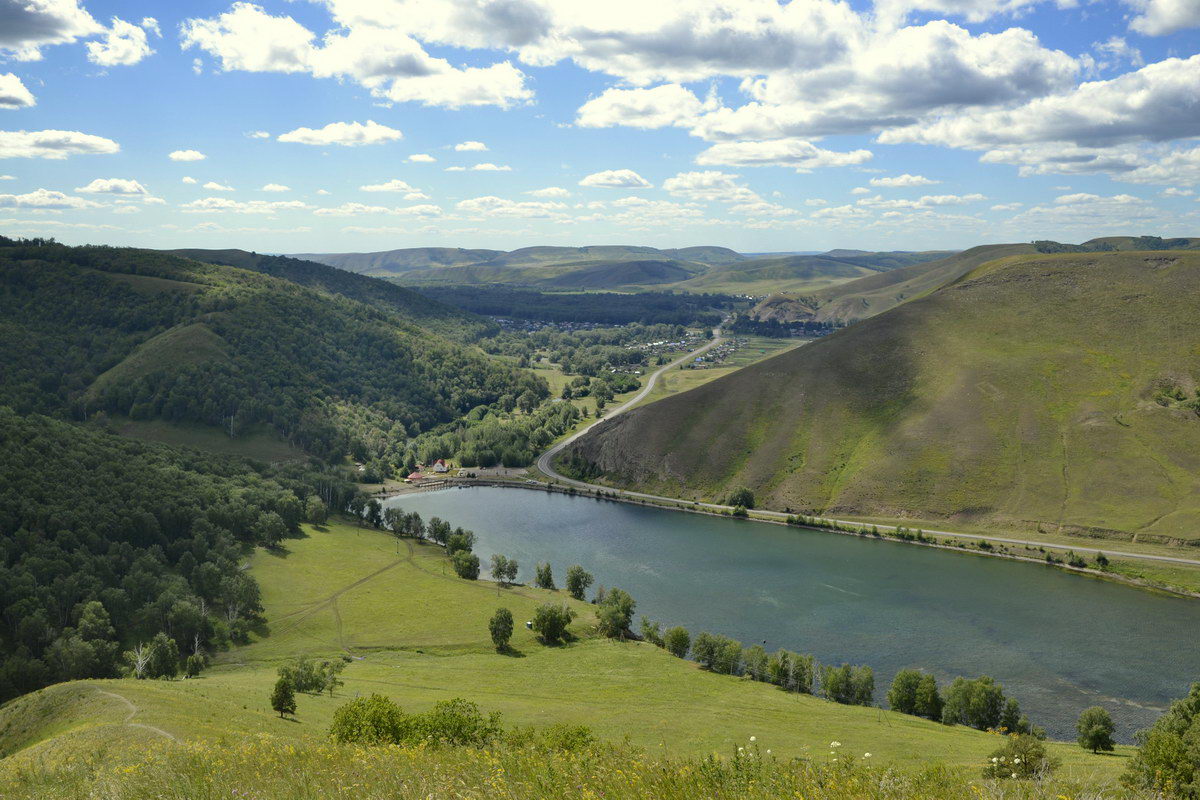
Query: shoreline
[(683, 505)]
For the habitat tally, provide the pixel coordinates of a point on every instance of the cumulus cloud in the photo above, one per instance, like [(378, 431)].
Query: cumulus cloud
[(359, 209), (225, 204), (902, 181), (213, 186), (659, 107), (470, 146), (275, 187), (492, 206), (13, 93), (121, 186), (385, 59), (258, 135), (188, 179), (346, 134), (395, 185), (549, 191), (186, 155), (124, 44), (421, 158), (928, 201), (616, 179), (710, 185), (45, 200), (53, 144), (799, 154), (151, 25), (1161, 17), (28, 25)]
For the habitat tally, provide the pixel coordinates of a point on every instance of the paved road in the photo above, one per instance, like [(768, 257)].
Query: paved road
[(544, 463)]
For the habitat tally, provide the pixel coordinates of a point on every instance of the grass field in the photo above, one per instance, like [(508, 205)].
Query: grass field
[(419, 635), (757, 348)]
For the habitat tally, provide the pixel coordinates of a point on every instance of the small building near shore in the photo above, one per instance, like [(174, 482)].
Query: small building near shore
[(440, 466)]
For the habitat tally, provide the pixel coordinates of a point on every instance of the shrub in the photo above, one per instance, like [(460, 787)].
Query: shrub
[(466, 564), (741, 497), (578, 581), (1022, 757), (1168, 756), (652, 631), (368, 720), (616, 613), (677, 641), (550, 622)]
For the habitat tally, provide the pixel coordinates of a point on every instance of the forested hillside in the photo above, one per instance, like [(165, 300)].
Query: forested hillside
[(1036, 390), (107, 542), (157, 336)]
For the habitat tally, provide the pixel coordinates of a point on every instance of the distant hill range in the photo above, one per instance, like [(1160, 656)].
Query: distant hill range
[(1019, 389), (621, 267), (867, 296)]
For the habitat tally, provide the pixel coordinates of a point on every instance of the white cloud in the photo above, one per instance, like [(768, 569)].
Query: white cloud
[(275, 187), (470, 146), (660, 107), (710, 185), (124, 44), (186, 155), (1007, 206), (258, 135), (123, 186), (28, 25), (53, 144), (346, 134), (902, 180), (225, 204), (151, 25), (549, 191), (387, 60), (970, 10), (616, 179), (13, 93), (8, 177), (395, 185), (323, 191), (1161, 17), (213, 186), (1175, 192), (188, 179), (421, 158), (360, 209), (928, 201), (799, 154), (416, 195), (860, 190), (45, 200), (126, 210), (492, 206), (487, 166)]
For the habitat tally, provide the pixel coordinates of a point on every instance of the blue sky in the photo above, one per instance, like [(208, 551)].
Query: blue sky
[(338, 125)]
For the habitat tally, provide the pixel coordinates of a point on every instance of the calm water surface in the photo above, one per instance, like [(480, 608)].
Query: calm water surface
[(1057, 642)]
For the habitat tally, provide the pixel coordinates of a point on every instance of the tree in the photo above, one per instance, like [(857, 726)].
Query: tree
[(504, 569), (652, 631), (439, 530), (978, 703), (578, 581), (315, 510), (460, 541), (1168, 755), (928, 701), (677, 641), (741, 497), (1095, 728), (616, 613), (194, 665), (139, 660), (1022, 757), (283, 697), (755, 662), (466, 564), (902, 696), (550, 622), (164, 657), (501, 628), (544, 578)]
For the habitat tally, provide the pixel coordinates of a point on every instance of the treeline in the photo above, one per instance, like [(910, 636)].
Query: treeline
[(587, 352), (330, 374), (120, 554), (604, 308), (1137, 243), (745, 326)]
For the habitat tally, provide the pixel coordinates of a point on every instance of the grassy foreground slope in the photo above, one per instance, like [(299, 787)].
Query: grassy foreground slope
[(418, 634), (1049, 391)]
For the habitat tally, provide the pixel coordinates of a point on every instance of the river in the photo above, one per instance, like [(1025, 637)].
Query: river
[(1057, 642)]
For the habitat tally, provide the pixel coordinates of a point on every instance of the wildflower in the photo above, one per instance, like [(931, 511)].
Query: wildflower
[(741, 749), (866, 755), (1016, 761), (835, 744), (768, 751), (754, 738), (1014, 774), (994, 759)]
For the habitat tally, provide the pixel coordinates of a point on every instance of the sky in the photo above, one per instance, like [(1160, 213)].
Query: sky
[(764, 126)]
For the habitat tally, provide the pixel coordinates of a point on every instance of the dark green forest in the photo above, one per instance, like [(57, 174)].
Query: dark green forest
[(605, 308), (156, 336), (107, 542)]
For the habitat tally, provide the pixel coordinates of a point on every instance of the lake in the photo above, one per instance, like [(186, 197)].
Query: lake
[(1058, 642)]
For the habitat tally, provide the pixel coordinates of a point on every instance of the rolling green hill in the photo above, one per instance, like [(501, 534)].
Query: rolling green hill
[(802, 273), (151, 335), (1035, 391), (389, 262)]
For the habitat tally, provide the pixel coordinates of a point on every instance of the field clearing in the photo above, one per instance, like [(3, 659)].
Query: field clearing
[(757, 348)]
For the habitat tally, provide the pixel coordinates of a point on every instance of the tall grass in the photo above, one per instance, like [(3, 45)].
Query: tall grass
[(267, 769)]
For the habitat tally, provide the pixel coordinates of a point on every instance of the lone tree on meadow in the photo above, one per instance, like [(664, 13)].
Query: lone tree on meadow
[(466, 564), (550, 621), (1095, 728), (544, 578), (501, 628), (578, 581), (283, 697), (504, 569)]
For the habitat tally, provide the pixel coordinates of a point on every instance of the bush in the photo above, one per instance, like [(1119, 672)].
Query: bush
[(368, 720), (377, 720), (677, 641), (550, 622), (616, 613), (1168, 756), (718, 653), (578, 581), (741, 497), (466, 564), (1022, 757), (501, 628), (652, 632)]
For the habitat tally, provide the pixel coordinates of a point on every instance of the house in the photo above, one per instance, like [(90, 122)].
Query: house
[(440, 466), (416, 476)]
